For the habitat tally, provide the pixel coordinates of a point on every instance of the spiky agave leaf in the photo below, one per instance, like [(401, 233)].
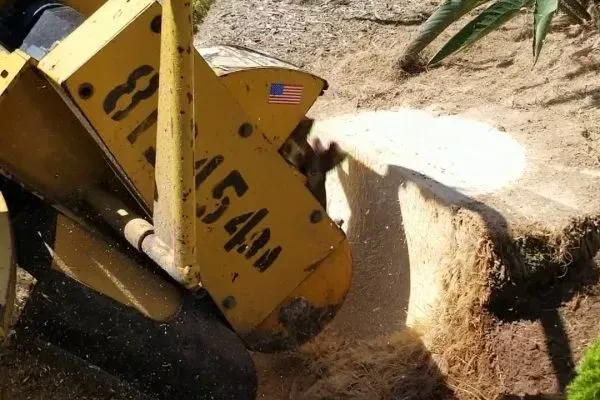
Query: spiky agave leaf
[(489, 20), (542, 17), (443, 17)]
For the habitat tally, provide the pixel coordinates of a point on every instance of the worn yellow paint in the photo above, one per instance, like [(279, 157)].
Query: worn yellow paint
[(330, 282), (175, 205), (326, 287), (11, 66), (100, 52), (7, 271), (43, 145), (99, 264), (64, 161), (248, 76)]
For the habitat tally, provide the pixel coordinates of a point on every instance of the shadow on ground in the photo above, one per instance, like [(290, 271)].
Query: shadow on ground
[(380, 290)]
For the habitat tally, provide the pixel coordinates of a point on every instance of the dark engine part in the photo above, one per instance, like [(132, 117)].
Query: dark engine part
[(34, 27), (53, 23)]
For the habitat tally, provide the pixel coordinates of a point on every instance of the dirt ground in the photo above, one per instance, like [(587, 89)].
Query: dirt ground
[(354, 44)]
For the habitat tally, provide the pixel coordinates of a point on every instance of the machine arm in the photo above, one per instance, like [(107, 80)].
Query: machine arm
[(171, 243)]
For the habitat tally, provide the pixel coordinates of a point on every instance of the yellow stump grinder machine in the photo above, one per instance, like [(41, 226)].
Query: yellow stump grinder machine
[(174, 225)]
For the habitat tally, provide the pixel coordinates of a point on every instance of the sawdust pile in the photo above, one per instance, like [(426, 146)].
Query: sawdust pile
[(415, 363), (398, 367), (450, 357)]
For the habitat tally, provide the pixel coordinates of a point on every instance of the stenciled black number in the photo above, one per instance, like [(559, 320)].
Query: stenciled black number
[(240, 227), (239, 239), (267, 259), (239, 236), (127, 88), (235, 181), (206, 169), (259, 243), (142, 127)]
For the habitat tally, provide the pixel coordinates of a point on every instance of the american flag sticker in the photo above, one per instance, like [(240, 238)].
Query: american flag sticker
[(281, 93)]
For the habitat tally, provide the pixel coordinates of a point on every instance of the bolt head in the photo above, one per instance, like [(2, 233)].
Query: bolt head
[(85, 91), (316, 216), (155, 25), (229, 302), (246, 130)]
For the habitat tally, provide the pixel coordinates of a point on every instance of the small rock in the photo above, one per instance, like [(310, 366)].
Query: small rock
[(505, 63), (585, 133)]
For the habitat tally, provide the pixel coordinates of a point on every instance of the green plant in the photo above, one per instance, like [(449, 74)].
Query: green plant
[(200, 9), (586, 385), (490, 19)]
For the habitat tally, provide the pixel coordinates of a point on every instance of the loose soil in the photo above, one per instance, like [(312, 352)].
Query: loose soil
[(528, 346)]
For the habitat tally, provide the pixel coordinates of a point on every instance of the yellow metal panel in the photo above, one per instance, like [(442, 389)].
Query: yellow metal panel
[(100, 29), (249, 74), (255, 237), (7, 271), (122, 82), (99, 265), (42, 144), (271, 188), (256, 181), (11, 65), (251, 89)]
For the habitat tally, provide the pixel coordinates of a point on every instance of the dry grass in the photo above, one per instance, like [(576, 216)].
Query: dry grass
[(399, 367), (200, 9), (458, 337), (542, 254)]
